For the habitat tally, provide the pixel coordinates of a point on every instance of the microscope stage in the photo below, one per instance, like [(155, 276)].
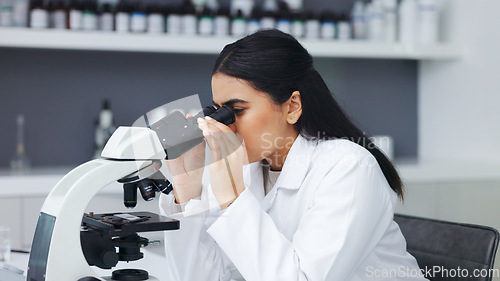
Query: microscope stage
[(118, 224)]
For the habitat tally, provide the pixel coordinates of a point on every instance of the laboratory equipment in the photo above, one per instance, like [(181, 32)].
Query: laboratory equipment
[(20, 161), (104, 128), (63, 247)]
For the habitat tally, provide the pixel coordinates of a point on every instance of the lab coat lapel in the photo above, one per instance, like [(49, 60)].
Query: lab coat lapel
[(253, 179), (294, 170)]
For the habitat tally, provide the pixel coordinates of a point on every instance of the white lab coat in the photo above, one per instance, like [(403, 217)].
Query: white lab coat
[(328, 217)]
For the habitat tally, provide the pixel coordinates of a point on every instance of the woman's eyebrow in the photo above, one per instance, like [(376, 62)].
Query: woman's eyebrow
[(230, 102)]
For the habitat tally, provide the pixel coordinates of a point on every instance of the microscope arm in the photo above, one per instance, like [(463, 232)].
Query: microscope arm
[(63, 210), (56, 252)]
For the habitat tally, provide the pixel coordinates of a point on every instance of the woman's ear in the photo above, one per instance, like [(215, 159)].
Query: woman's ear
[(294, 108)]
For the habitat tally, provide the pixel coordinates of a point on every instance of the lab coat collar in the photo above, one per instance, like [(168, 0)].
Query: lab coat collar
[(293, 172), (296, 164), (253, 179)]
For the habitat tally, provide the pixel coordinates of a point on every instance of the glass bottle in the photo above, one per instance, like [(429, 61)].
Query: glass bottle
[(189, 20), (58, 15), (138, 18), (104, 128), (75, 15), (238, 25), (39, 15), (106, 19), (206, 22), (89, 16), (122, 17), (221, 22), (253, 23), (284, 22), (344, 31), (328, 27), (269, 14), (20, 13), (298, 27), (358, 20), (20, 161), (6, 13), (312, 26), (155, 19)]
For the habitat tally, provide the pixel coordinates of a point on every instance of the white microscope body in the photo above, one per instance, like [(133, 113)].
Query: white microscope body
[(56, 253), (131, 152)]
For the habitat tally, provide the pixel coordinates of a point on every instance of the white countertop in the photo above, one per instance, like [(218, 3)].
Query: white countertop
[(39, 181), (413, 171)]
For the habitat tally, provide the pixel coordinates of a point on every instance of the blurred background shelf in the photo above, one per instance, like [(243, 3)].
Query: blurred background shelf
[(102, 41)]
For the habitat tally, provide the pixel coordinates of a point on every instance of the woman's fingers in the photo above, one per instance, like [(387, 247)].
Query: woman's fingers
[(225, 137), (228, 133), (209, 137), (220, 139)]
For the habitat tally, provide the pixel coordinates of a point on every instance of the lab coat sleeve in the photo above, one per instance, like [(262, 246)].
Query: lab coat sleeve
[(191, 254), (349, 213)]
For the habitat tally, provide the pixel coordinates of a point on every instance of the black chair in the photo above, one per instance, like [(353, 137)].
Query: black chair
[(450, 246)]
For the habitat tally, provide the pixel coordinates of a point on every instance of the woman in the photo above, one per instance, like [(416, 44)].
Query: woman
[(316, 201)]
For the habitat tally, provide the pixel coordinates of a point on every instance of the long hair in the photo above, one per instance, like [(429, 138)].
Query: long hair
[(276, 63)]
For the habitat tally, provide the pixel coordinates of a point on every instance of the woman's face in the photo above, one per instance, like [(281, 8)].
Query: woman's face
[(261, 123)]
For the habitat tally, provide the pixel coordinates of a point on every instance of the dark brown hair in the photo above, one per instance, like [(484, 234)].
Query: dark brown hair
[(276, 63)]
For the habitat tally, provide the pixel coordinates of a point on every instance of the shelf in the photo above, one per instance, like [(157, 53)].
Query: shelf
[(105, 41)]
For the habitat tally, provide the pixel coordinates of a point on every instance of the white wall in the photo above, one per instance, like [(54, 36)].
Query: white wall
[(459, 117), (459, 101)]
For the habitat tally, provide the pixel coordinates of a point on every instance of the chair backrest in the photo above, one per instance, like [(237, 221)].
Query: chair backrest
[(452, 248)]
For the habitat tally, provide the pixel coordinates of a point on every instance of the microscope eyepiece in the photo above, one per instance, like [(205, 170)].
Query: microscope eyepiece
[(179, 134), (209, 110), (224, 115)]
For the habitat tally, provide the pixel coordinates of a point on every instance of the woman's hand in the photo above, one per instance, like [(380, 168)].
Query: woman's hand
[(187, 172), (228, 156)]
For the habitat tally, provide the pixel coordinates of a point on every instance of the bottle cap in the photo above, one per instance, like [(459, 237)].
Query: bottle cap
[(239, 15), (188, 8), (106, 104), (106, 8), (223, 11), (206, 12), (256, 13), (310, 15)]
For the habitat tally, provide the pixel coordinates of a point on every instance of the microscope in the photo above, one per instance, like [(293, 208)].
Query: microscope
[(68, 241)]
